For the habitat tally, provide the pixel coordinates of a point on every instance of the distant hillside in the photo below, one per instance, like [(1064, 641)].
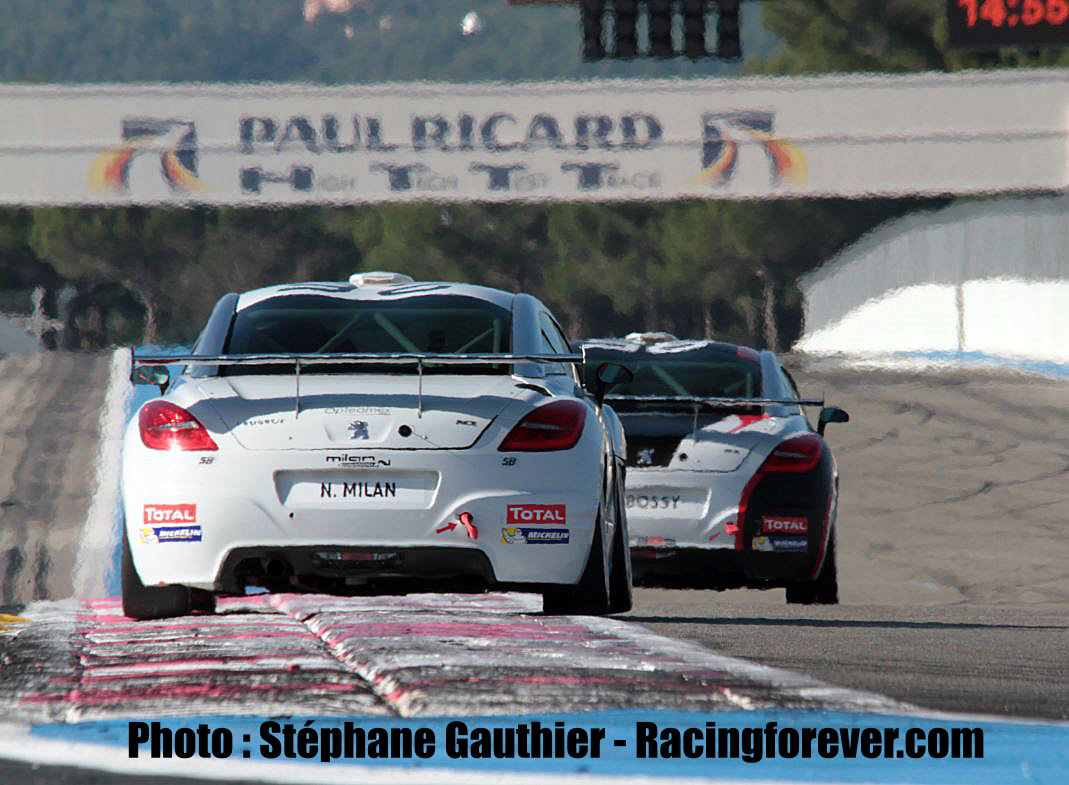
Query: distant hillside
[(282, 40)]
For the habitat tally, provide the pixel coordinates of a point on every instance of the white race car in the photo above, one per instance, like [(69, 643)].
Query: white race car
[(728, 485), (376, 435)]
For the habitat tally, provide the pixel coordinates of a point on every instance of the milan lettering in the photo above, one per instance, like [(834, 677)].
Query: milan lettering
[(357, 490)]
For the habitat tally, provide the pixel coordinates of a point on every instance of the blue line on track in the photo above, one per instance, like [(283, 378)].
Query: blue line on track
[(1014, 752), (982, 359)]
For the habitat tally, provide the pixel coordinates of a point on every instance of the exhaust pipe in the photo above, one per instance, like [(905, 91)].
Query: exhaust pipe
[(277, 568)]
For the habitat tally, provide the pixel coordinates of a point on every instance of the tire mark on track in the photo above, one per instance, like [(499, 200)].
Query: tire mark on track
[(48, 431), (969, 487), (11, 565), (32, 480), (43, 560)]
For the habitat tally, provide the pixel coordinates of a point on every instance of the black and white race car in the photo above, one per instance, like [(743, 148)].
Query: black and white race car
[(727, 484)]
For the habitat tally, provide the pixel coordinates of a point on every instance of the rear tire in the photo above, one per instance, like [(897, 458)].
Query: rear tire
[(824, 590), (592, 596), (621, 579), (150, 602)]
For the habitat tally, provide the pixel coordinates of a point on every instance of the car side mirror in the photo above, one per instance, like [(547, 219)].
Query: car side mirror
[(831, 414), (609, 375), (152, 374)]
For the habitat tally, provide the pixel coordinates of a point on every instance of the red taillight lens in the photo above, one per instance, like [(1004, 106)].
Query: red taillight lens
[(555, 426), (165, 426), (748, 354), (799, 454)]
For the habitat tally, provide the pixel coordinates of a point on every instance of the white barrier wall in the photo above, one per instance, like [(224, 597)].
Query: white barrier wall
[(917, 317), (989, 277), (1018, 318), (1006, 318), (738, 138)]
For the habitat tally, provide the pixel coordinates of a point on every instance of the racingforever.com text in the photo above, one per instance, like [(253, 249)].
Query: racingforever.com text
[(327, 741)]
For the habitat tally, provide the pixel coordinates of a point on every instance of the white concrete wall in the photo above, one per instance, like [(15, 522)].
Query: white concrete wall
[(917, 317), (1005, 317), (989, 277), (1018, 318)]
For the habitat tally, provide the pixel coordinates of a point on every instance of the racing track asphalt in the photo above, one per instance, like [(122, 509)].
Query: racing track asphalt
[(953, 548), (50, 405), (1008, 660), (953, 540)]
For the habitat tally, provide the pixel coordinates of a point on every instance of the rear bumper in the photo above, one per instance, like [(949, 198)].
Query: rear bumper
[(686, 509), (716, 568), (340, 570), (783, 539), (234, 507)]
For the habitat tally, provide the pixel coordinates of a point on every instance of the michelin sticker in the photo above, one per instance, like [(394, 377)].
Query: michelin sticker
[(790, 544), (154, 535), (522, 535), (781, 544), (762, 544)]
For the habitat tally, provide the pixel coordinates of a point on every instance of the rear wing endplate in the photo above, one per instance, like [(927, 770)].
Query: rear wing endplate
[(299, 361), (726, 402)]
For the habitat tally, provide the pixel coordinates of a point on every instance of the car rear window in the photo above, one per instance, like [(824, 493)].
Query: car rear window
[(313, 324), (719, 374)]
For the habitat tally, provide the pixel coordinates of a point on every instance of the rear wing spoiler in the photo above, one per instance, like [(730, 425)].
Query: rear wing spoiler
[(726, 402), (419, 359), (827, 415)]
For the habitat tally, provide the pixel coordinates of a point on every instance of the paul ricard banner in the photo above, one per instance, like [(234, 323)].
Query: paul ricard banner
[(607, 140)]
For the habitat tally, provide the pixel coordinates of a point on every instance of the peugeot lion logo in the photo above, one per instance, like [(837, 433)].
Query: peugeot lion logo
[(358, 428)]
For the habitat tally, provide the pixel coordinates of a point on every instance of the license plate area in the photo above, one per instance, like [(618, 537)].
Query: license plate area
[(357, 490), (663, 502), (356, 561)]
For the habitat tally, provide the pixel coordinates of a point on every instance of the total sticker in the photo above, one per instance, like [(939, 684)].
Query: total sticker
[(170, 513), (554, 514), (784, 525)]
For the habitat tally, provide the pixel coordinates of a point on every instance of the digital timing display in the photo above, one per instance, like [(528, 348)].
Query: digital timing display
[(992, 23)]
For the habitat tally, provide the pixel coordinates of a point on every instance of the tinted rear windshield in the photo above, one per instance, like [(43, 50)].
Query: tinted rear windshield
[(706, 375), (313, 324)]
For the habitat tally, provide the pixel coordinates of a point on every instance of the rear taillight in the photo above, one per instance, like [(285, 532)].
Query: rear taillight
[(799, 454), (748, 354), (165, 426), (555, 426)]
